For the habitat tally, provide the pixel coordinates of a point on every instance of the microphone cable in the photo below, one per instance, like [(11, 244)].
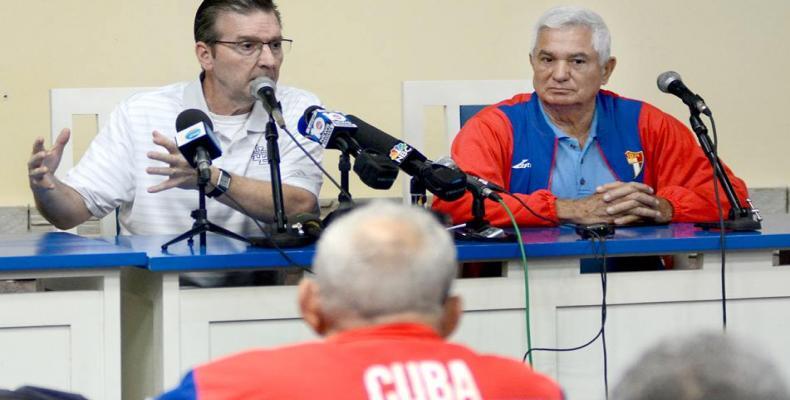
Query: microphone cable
[(722, 237), (317, 164), (526, 277), (285, 256), (598, 243)]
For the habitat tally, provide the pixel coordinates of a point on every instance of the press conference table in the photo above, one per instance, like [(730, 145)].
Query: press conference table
[(67, 333), (175, 328), (197, 325)]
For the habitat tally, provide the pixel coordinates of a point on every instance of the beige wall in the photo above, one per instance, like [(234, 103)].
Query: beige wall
[(355, 53)]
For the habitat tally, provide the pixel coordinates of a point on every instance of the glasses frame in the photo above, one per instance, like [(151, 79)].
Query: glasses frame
[(235, 46)]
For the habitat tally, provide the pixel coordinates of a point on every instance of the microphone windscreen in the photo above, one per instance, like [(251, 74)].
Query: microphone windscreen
[(191, 117), (261, 83), (665, 79)]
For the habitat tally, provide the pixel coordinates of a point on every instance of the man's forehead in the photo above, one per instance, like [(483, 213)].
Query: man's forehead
[(247, 24), (565, 40)]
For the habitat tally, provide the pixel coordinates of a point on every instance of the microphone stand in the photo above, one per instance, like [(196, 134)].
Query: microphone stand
[(202, 224), (479, 228), (281, 235), (417, 192), (344, 166), (345, 202), (740, 218)]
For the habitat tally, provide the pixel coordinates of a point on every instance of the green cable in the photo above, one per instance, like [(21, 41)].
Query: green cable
[(526, 278)]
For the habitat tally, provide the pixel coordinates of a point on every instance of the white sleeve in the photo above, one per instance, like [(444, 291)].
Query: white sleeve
[(296, 169), (104, 176)]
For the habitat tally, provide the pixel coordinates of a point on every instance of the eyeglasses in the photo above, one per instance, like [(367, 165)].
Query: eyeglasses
[(252, 48)]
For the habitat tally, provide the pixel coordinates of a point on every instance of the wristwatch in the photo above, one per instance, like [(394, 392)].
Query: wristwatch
[(223, 183)]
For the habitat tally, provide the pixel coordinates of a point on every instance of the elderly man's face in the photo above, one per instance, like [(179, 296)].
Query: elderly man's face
[(567, 70)]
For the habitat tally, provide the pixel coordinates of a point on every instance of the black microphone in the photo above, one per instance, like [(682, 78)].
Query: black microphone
[(196, 141), (474, 183), (330, 129), (444, 182), (670, 82), (263, 88), (334, 131)]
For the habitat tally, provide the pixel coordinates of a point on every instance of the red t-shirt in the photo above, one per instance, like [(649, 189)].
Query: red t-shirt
[(384, 362)]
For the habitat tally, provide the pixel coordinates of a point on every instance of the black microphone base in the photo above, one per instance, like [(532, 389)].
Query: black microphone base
[(742, 224), (482, 231), (287, 239)]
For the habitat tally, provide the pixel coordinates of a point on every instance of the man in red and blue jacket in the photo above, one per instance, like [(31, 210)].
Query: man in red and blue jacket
[(575, 153)]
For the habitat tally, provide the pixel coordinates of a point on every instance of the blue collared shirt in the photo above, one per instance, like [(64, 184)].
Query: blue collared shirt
[(577, 171)]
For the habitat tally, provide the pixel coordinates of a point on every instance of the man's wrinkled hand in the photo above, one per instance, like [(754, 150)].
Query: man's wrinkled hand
[(589, 210), (633, 202)]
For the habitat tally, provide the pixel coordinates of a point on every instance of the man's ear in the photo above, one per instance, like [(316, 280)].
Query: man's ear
[(310, 306), (451, 315), (608, 68), (205, 55)]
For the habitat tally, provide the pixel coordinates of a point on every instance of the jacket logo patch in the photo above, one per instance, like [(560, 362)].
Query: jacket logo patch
[(523, 164), (637, 160)]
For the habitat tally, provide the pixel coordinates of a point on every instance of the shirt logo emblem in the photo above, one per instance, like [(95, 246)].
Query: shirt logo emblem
[(259, 155), (523, 164), (637, 160)]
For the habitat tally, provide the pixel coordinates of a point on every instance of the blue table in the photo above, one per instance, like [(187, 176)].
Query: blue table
[(61, 250), (223, 253), (65, 332)]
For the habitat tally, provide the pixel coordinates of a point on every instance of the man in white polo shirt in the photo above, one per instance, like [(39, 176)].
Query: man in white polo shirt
[(134, 164)]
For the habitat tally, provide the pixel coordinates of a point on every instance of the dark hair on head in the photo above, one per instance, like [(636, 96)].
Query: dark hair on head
[(209, 10)]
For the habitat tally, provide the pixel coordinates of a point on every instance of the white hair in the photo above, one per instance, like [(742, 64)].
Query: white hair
[(570, 16), (701, 367), (384, 259)]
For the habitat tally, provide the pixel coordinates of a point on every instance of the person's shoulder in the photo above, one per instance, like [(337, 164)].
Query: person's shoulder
[(285, 92), (493, 114), (510, 370), (261, 357), (171, 94), (519, 98), (646, 107)]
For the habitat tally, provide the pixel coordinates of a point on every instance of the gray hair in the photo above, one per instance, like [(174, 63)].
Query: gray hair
[(706, 366), (570, 16), (384, 259)]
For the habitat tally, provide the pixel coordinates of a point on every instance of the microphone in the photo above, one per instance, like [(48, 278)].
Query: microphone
[(444, 182), (332, 130), (474, 183), (196, 141), (670, 82), (263, 89)]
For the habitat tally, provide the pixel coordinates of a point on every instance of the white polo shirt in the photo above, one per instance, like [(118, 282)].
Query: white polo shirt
[(112, 173)]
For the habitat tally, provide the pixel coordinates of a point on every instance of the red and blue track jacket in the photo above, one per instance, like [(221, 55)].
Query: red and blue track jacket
[(401, 360), (512, 145)]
